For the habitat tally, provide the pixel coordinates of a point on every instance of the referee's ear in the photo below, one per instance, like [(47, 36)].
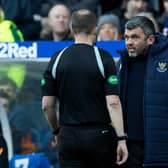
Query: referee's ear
[(70, 28), (95, 31), (151, 39), (94, 34)]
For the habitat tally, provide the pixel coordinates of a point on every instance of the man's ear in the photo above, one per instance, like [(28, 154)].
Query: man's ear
[(151, 39)]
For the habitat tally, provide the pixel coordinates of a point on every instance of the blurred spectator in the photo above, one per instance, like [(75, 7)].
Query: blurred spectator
[(163, 18), (108, 27), (27, 144), (150, 16), (47, 144), (25, 14), (19, 117), (77, 4), (131, 8), (28, 134), (15, 112), (8, 30), (56, 27)]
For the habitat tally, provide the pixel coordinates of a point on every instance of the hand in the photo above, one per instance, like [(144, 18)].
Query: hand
[(122, 152)]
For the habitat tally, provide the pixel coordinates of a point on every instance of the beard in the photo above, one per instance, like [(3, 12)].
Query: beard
[(137, 53), (132, 54)]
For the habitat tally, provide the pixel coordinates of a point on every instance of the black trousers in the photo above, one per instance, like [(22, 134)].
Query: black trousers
[(3, 153), (87, 147)]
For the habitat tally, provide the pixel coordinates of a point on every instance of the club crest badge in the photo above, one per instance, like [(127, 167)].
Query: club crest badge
[(161, 66)]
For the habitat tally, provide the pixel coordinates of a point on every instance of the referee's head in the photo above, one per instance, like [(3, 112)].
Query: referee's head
[(83, 21)]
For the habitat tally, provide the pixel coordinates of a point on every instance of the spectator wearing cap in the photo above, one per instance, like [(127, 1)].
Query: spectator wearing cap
[(108, 28), (131, 8)]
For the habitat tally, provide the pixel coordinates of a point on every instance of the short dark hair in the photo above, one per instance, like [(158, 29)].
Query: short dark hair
[(83, 21), (143, 22)]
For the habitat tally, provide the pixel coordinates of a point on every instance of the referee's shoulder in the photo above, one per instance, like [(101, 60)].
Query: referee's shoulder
[(54, 56), (104, 53)]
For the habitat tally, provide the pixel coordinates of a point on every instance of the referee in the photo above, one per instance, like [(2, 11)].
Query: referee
[(82, 78)]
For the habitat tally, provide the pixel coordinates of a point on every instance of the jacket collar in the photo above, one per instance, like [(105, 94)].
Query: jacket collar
[(160, 44)]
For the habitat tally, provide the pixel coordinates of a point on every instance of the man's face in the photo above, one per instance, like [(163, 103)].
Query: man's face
[(136, 42), (59, 18), (136, 6), (165, 4), (108, 32)]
